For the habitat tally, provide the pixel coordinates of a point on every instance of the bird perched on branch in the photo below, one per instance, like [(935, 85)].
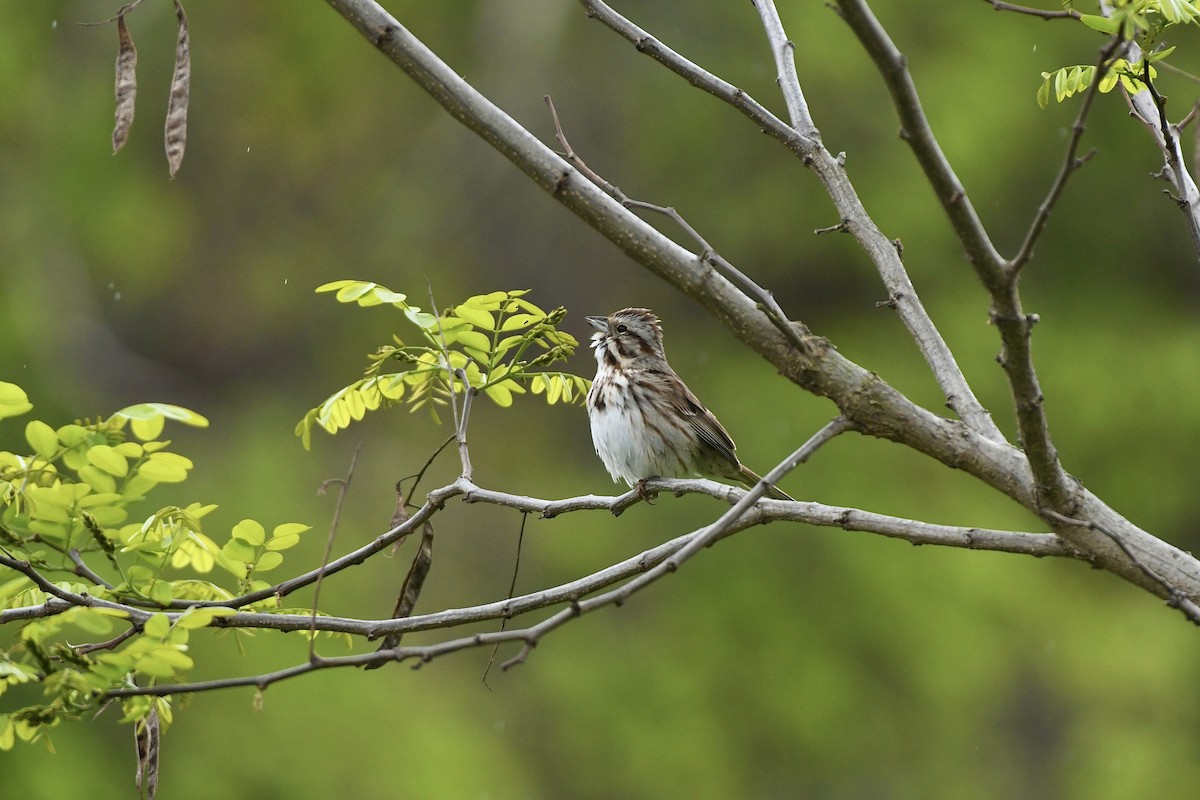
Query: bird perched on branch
[(646, 423)]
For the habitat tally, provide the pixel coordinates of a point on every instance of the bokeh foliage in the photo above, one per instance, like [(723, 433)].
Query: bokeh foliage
[(787, 661)]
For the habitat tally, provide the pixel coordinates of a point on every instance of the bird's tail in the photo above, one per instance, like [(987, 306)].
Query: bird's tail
[(751, 477)]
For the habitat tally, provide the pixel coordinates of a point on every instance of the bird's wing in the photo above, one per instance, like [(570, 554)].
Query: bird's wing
[(703, 422)]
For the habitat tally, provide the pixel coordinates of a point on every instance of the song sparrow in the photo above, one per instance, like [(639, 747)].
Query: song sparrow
[(646, 423)]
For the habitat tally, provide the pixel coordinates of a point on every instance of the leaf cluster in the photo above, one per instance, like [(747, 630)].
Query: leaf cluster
[(1140, 20), (497, 344), (66, 534)]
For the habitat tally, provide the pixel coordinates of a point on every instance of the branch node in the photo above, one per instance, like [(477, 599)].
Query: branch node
[(560, 181), (384, 35), (841, 227)]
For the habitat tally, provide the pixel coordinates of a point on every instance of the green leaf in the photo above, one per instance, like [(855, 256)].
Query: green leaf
[(500, 394), (158, 626), (333, 286), (148, 418), (291, 529), (106, 458), (422, 319), (147, 429), (42, 438), (1161, 54), (165, 467), (554, 390), (476, 316), (71, 435), (201, 617), (1103, 24), (519, 321), (1060, 85), (109, 516), (351, 292), (472, 339), (283, 542), (239, 550), (91, 620), (161, 593), (13, 400), (250, 532), (268, 561)]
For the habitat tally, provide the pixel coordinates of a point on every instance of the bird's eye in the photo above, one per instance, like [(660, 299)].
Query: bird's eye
[(622, 328)]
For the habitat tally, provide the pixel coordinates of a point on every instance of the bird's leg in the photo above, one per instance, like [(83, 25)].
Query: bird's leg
[(645, 493)]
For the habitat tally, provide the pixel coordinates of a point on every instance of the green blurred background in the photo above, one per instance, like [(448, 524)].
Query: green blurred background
[(789, 661)]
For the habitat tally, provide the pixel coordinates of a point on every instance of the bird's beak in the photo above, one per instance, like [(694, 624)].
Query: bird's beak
[(599, 323)]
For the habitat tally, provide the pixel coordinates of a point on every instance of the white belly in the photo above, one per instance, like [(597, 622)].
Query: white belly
[(631, 448)]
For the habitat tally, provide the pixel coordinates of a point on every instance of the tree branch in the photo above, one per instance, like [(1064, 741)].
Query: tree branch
[(785, 64), (1052, 483), (875, 407), (998, 5), (1071, 162), (708, 253), (747, 510), (763, 512), (854, 218), (1151, 108)]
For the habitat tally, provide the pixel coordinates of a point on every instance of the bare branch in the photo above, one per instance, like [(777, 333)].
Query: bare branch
[(1071, 161), (708, 255), (1014, 325), (863, 397), (84, 571), (1189, 197), (343, 487), (84, 649), (1069, 13), (855, 220), (746, 511), (764, 511), (915, 130), (1175, 598), (122, 11), (785, 64), (414, 581)]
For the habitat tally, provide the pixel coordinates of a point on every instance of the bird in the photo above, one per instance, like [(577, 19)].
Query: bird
[(645, 421)]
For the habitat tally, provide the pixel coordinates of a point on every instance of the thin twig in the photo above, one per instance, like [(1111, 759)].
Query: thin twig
[(1071, 161), (84, 571), (785, 65), (1069, 13), (708, 255), (1174, 155), (343, 487), (419, 475), (84, 649), (451, 374), (704, 538), (916, 131), (122, 11), (512, 587), (1149, 108)]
